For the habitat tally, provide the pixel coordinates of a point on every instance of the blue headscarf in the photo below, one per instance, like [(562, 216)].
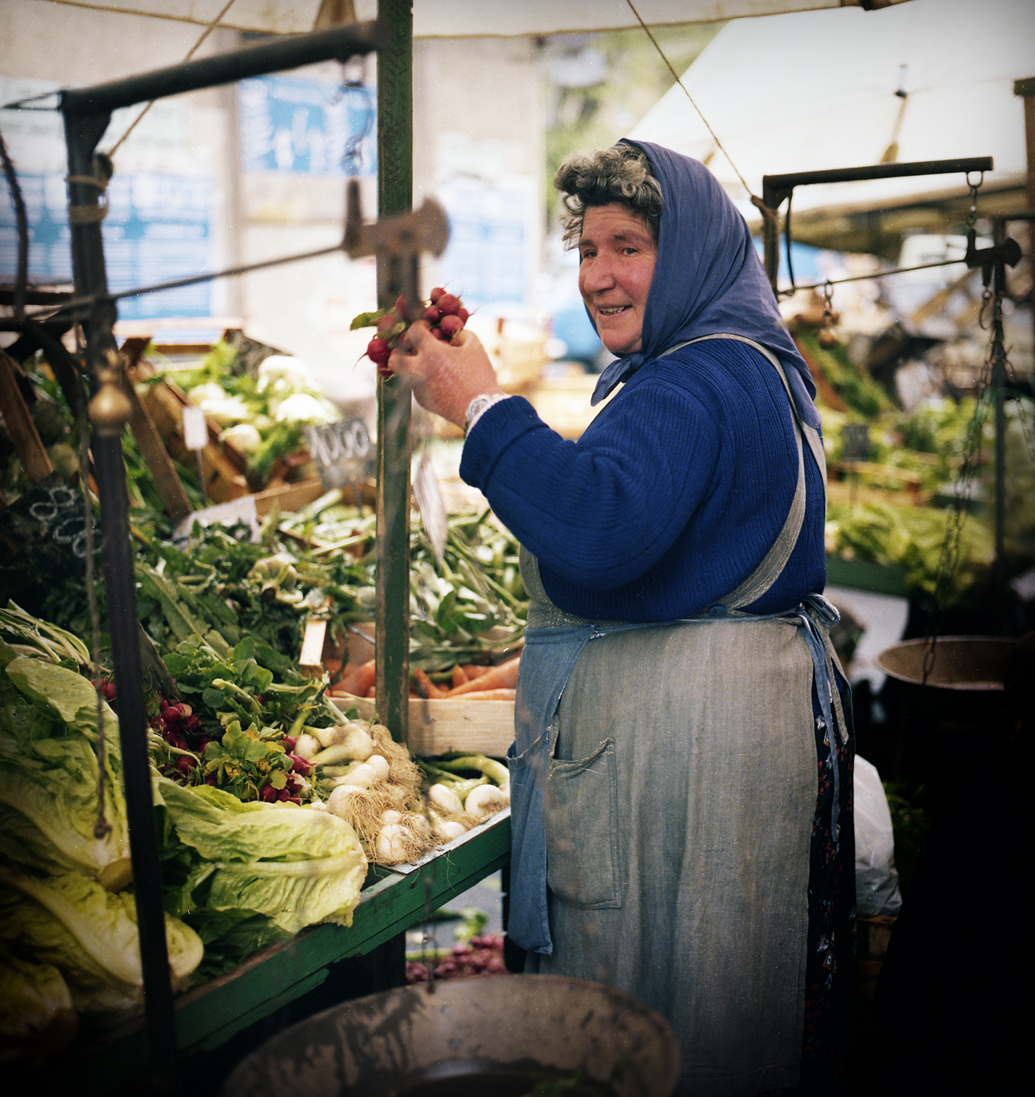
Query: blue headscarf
[(708, 279)]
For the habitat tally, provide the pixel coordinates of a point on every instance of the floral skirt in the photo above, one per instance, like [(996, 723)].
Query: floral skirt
[(830, 974)]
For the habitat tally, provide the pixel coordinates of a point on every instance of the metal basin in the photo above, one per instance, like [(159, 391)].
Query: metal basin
[(496, 1035), (967, 663)]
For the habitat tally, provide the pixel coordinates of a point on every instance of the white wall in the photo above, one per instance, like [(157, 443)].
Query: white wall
[(477, 116)]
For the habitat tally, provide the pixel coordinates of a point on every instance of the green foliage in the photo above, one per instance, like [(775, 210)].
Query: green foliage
[(912, 538), (861, 395), (633, 77)]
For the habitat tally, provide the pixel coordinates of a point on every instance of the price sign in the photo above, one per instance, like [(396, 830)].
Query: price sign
[(342, 452), (239, 515), (47, 526)]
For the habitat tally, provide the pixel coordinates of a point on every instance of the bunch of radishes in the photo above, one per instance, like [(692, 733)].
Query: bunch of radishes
[(444, 311), (179, 727)]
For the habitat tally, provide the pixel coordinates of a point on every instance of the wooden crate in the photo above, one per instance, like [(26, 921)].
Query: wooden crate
[(438, 727), (223, 466)]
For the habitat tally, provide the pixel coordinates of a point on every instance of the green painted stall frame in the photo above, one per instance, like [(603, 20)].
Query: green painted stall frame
[(207, 1017)]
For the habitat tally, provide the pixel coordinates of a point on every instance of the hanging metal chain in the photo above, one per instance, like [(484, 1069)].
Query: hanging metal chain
[(827, 335), (951, 546), (101, 826), (950, 553)]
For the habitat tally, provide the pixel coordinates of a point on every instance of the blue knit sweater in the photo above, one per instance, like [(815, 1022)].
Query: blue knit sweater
[(669, 499)]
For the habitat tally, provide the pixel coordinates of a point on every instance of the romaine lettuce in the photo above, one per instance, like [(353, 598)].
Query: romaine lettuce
[(48, 762), (37, 1018), (295, 865), (105, 924)]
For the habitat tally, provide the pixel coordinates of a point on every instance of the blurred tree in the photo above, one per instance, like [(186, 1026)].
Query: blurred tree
[(599, 85)]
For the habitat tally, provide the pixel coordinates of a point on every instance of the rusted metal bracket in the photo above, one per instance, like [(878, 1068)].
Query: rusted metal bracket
[(398, 243), (776, 189)]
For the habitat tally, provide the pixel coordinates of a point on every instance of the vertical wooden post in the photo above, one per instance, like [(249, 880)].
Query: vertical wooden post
[(395, 194), (1026, 89)]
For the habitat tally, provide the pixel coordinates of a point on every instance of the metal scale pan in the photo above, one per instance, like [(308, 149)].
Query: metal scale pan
[(494, 1034)]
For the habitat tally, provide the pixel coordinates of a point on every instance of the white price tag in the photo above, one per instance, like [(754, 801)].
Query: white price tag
[(429, 502), (228, 514), (343, 452), (195, 429)]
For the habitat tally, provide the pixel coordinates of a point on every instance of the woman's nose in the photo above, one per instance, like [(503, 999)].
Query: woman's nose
[(596, 275)]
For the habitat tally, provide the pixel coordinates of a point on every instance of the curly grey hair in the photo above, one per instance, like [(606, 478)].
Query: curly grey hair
[(621, 174)]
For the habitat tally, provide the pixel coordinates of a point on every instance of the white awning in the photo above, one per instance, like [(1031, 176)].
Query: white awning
[(465, 18), (928, 80)]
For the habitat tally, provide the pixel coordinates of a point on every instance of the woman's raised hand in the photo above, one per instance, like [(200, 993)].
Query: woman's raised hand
[(445, 377)]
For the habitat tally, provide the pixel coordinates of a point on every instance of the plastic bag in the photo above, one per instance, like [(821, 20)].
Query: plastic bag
[(876, 878)]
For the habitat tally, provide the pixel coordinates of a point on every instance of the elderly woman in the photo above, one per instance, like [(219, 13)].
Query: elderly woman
[(681, 771)]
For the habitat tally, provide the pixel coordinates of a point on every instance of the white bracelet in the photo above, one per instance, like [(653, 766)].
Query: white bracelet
[(478, 406)]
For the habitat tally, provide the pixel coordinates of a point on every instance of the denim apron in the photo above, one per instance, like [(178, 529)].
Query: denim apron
[(612, 856)]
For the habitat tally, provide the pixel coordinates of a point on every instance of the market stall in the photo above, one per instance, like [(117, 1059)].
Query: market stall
[(380, 902), (179, 1027)]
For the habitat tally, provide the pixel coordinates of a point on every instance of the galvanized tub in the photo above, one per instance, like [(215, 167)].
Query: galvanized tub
[(952, 723), (958, 663), (496, 1035)]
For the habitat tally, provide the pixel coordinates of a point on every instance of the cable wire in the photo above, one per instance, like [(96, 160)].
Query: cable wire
[(194, 49), (719, 145)]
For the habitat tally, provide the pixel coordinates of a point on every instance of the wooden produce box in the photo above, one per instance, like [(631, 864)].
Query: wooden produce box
[(223, 466), (288, 497), (439, 727)]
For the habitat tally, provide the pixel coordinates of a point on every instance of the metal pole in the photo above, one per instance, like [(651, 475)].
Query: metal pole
[(338, 43), (395, 195), (1026, 89), (998, 383), (81, 135)]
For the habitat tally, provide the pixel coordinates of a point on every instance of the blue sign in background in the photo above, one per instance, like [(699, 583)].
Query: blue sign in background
[(486, 260), (293, 125), (157, 229)]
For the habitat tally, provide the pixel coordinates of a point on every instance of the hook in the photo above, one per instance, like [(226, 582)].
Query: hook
[(827, 336)]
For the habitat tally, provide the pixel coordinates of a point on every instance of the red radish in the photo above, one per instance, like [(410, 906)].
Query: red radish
[(450, 325), (378, 350), (444, 312)]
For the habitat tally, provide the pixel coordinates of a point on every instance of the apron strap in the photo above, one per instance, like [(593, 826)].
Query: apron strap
[(773, 563)]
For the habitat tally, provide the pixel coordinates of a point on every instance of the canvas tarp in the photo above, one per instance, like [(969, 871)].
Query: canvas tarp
[(465, 18), (806, 91)]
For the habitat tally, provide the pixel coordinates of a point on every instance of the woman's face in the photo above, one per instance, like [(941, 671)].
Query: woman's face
[(617, 262)]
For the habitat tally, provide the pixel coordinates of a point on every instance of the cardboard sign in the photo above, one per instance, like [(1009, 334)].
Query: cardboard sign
[(342, 452)]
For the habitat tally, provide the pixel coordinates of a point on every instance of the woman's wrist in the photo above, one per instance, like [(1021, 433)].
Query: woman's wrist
[(478, 406)]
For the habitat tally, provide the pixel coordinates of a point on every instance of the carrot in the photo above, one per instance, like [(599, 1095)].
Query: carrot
[(356, 680), (425, 686), (475, 670), (501, 676), (459, 676), (483, 695)]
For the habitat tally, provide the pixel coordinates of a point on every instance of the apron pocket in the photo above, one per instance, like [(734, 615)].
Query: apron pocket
[(582, 830)]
